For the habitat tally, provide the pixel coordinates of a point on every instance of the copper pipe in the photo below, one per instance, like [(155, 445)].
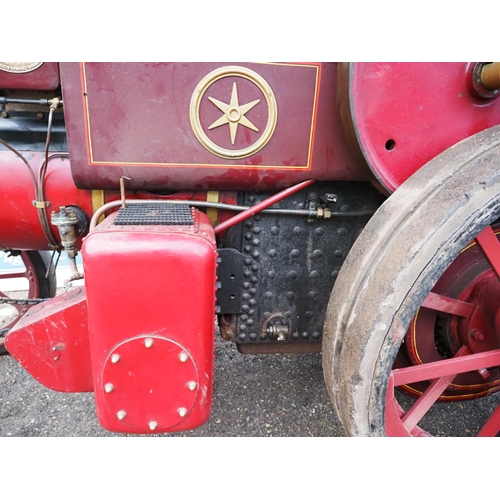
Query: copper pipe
[(490, 76)]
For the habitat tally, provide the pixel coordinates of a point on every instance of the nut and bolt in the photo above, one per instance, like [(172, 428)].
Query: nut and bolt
[(108, 388), (121, 414), (331, 197), (182, 412), (192, 385), (115, 358), (183, 357), (149, 343), (153, 425), (477, 334)]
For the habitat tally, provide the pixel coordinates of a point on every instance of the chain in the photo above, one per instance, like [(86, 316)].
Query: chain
[(20, 302)]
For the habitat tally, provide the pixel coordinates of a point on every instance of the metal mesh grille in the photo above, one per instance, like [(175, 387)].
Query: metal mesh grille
[(154, 214)]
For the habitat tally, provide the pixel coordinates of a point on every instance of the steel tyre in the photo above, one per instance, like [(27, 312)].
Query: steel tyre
[(393, 266)]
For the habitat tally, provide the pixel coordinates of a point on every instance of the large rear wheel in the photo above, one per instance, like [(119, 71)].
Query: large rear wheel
[(417, 302)]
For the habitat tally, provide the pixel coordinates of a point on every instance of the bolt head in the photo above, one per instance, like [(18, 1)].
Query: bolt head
[(121, 414), (108, 388), (191, 385), (153, 425), (149, 343), (182, 412), (183, 357), (115, 358)]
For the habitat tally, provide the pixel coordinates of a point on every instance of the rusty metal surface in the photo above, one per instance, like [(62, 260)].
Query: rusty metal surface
[(279, 348)]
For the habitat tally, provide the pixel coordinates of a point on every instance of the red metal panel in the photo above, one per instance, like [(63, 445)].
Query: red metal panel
[(44, 77), (152, 346), (136, 120), (51, 342), (405, 114)]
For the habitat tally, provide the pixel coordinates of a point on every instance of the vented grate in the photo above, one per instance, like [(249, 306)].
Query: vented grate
[(154, 214)]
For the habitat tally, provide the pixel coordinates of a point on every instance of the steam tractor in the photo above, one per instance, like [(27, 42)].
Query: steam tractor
[(350, 209)]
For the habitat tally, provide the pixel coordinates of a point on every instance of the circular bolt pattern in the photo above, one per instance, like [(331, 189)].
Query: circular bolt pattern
[(154, 381)]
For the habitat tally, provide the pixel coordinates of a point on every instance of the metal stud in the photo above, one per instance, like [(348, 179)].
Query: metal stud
[(182, 412), (192, 385), (183, 357), (109, 388), (115, 358), (121, 414), (149, 343), (153, 425)]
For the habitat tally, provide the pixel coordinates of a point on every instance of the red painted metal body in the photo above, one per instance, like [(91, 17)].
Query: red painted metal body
[(405, 114), (134, 120), (19, 223), (145, 341), (44, 77), (51, 341), (141, 332)]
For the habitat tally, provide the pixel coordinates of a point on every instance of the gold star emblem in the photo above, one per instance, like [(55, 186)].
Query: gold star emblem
[(234, 114)]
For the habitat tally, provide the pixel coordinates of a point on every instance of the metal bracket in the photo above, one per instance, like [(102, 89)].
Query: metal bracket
[(230, 276), (40, 204)]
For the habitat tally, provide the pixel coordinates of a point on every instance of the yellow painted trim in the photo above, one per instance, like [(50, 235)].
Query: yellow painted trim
[(212, 196), (98, 202)]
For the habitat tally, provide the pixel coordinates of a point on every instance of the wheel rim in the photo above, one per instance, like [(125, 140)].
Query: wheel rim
[(471, 369), (11, 314), (386, 280)]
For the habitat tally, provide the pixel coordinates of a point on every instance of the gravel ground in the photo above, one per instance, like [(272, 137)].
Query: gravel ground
[(254, 395)]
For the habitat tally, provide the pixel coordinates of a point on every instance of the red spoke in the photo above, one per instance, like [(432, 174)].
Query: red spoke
[(9, 276), (429, 397), (447, 305), (492, 426), (490, 246), (454, 366)]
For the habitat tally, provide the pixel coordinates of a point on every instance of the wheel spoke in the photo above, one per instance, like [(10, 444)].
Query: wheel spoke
[(429, 397), (490, 247), (454, 366), (448, 305), (8, 276)]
